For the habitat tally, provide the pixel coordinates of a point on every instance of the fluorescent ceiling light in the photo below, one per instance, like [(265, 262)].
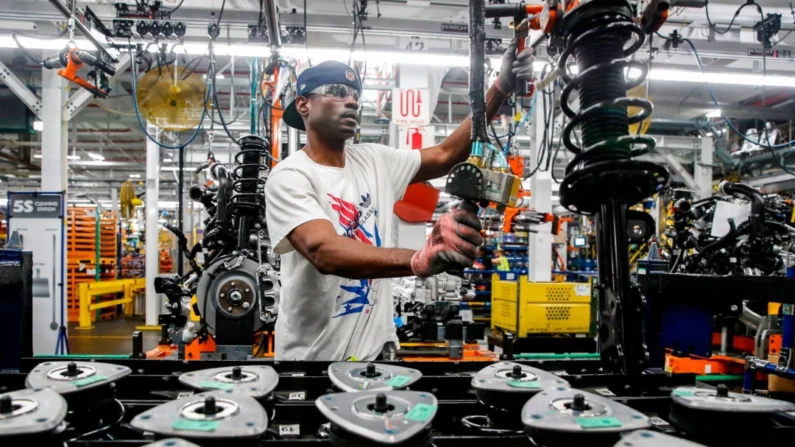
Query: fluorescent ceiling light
[(406, 57), (714, 114), (36, 155), (218, 76), (73, 157), (38, 125), (95, 156), (168, 159), (135, 175)]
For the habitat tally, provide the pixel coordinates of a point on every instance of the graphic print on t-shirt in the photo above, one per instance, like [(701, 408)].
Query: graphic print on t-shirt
[(354, 295)]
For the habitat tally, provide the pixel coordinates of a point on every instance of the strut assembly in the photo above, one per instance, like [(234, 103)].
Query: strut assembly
[(603, 179)]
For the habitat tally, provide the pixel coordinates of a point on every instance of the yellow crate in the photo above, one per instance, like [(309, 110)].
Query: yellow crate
[(544, 307), (544, 292), (556, 318)]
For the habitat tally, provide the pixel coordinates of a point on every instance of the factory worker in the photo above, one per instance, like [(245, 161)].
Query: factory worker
[(330, 217)]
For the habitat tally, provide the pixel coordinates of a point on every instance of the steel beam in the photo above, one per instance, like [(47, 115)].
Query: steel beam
[(20, 89)]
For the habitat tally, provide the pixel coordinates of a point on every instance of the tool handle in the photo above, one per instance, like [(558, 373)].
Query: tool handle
[(52, 62), (473, 208), (520, 86), (89, 59)]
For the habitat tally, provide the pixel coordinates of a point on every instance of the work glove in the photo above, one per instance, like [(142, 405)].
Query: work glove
[(453, 244), (515, 66)]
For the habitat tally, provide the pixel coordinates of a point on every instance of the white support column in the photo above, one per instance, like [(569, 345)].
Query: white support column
[(54, 135), (539, 253), (152, 216), (703, 169)]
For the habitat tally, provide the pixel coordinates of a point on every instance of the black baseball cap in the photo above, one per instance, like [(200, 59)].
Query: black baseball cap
[(329, 72)]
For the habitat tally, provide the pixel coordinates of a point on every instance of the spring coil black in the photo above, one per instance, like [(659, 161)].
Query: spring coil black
[(596, 33), (249, 183)]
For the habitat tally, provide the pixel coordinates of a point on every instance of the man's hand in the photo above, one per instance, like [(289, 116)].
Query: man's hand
[(515, 66), (453, 243)]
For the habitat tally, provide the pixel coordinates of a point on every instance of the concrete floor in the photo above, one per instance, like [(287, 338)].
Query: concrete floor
[(109, 337)]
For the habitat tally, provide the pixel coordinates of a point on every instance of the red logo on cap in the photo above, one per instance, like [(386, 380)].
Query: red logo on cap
[(349, 75)]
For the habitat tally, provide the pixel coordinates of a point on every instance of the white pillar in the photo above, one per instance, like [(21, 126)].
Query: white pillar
[(703, 169), (152, 216), (53, 137), (539, 252)]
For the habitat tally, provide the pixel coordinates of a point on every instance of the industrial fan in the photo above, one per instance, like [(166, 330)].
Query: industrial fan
[(172, 98), (128, 200)]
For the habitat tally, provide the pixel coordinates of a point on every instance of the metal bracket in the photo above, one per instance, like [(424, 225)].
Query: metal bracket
[(20, 89)]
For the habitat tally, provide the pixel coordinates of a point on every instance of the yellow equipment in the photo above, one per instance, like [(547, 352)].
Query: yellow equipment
[(540, 308), (128, 200), (171, 98)]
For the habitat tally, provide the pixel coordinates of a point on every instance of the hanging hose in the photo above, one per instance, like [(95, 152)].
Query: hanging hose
[(477, 60)]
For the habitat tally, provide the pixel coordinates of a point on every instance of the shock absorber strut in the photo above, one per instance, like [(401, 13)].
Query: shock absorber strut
[(248, 202), (603, 179)]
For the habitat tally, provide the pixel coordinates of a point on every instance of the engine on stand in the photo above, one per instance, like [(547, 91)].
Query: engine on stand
[(236, 289), (435, 309), (740, 232)]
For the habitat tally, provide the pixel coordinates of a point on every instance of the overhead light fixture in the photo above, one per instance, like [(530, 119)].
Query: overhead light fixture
[(714, 114), (135, 175), (38, 126), (73, 157), (217, 76), (36, 155), (407, 57), (95, 156), (168, 160)]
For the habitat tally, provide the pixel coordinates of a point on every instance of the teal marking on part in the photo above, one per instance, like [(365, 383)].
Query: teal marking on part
[(80, 383), (598, 422), (421, 412), (530, 384), (189, 425), (212, 384), (398, 381), (684, 393)]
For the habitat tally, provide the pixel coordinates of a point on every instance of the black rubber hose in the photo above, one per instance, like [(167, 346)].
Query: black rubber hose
[(505, 10), (477, 60), (757, 216)]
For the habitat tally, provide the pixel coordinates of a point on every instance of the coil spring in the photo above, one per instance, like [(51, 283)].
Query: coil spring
[(248, 184), (603, 166)]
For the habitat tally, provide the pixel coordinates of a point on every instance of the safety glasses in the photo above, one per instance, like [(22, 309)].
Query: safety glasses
[(339, 91)]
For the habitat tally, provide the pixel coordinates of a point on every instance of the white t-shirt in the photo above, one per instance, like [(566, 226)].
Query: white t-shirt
[(326, 317)]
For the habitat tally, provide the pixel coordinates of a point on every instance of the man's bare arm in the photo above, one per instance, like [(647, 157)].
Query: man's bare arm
[(438, 160), (332, 254)]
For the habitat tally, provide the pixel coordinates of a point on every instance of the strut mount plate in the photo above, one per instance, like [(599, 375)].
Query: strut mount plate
[(353, 376), (33, 411), (555, 410), (646, 438), (708, 400), (512, 377), (234, 416), (72, 377), (407, 414), (252, 381)]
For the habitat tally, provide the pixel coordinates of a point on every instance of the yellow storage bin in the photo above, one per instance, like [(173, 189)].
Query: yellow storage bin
[(544, 308), (556, 318)]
